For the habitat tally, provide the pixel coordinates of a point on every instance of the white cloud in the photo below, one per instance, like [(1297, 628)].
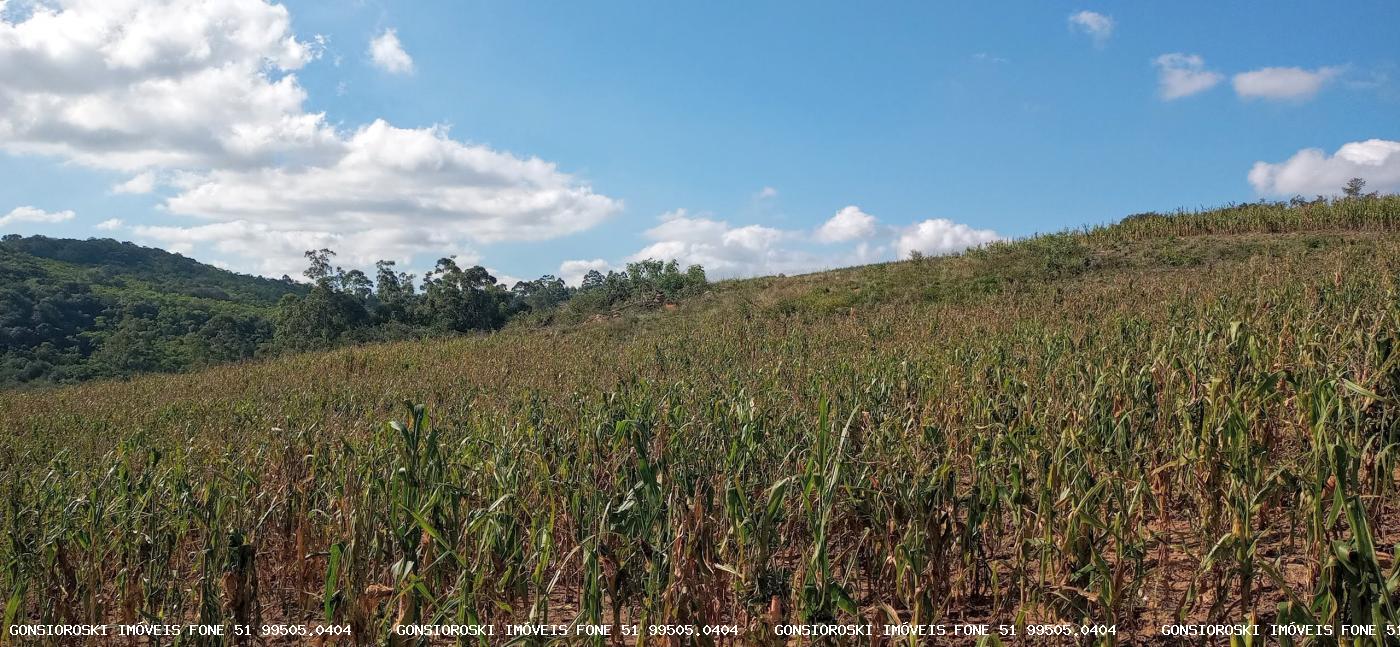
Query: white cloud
[(130, 85), (849, 223), (766, 193), (415, 180), (729, 251), (1283, 82), (572, 271), (1098, 26), (110, 224), (724, 251), (941, 236), (202, 98), (387, 53), (1182, 75), (141, 183), (1312, 171), (35, 215)]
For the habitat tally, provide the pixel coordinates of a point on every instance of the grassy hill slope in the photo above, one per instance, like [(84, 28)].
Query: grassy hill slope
[(1193, 416)]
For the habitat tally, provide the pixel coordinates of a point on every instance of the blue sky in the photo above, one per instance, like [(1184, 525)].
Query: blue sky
[(753, 138)]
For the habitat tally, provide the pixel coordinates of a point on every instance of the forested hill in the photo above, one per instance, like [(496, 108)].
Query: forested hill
[(72, 310), (157, 268)]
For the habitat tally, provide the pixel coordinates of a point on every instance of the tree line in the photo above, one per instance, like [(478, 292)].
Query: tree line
[(347, 305)]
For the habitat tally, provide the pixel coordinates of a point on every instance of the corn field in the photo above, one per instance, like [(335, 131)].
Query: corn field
[(1180, 418)]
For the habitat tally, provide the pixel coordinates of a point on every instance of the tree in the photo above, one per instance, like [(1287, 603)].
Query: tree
[(653, 281), (593, 279), (226, 338), (1354, 187), (334, 306), (320, 264), (543, 293), (356, 284), (394, 292), (461, 300), (317, 320), (695, 279), (136, 346)]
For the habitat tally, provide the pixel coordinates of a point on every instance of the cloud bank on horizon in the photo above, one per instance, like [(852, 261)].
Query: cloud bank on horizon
[(727, 251), (35, 214), (200, 106), (1313, 172)]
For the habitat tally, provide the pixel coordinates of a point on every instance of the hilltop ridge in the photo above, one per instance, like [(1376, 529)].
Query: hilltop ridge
[(80, 310)]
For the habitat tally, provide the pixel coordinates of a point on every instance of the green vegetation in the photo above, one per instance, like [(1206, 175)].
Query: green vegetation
[(344, 307), (74, 310), (1192, 416)]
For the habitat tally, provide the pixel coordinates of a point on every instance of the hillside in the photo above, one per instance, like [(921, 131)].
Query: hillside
[(72, 310), (80, 310), (1192, 416)]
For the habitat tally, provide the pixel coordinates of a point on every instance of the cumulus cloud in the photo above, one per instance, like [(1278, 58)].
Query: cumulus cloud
[(403, 179), (1096, 25), (110, 224), (849, 223), (1283, 82), (941, 236), (202, 98), (130, 85), (1182, 75), (572, 271), (35, 215), (388, 54), (1312, 171), (766, 193)]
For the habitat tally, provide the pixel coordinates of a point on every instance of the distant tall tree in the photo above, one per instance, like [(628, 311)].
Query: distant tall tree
[(543, 293), (651, 280), (334, 306), (356, 284), (461, 300), (695, 277), (617, 287), (1354, 187), (394, 292), (593, 279), (319, 264)]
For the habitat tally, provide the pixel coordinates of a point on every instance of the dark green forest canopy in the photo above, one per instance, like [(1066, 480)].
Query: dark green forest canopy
[(72, 310)]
